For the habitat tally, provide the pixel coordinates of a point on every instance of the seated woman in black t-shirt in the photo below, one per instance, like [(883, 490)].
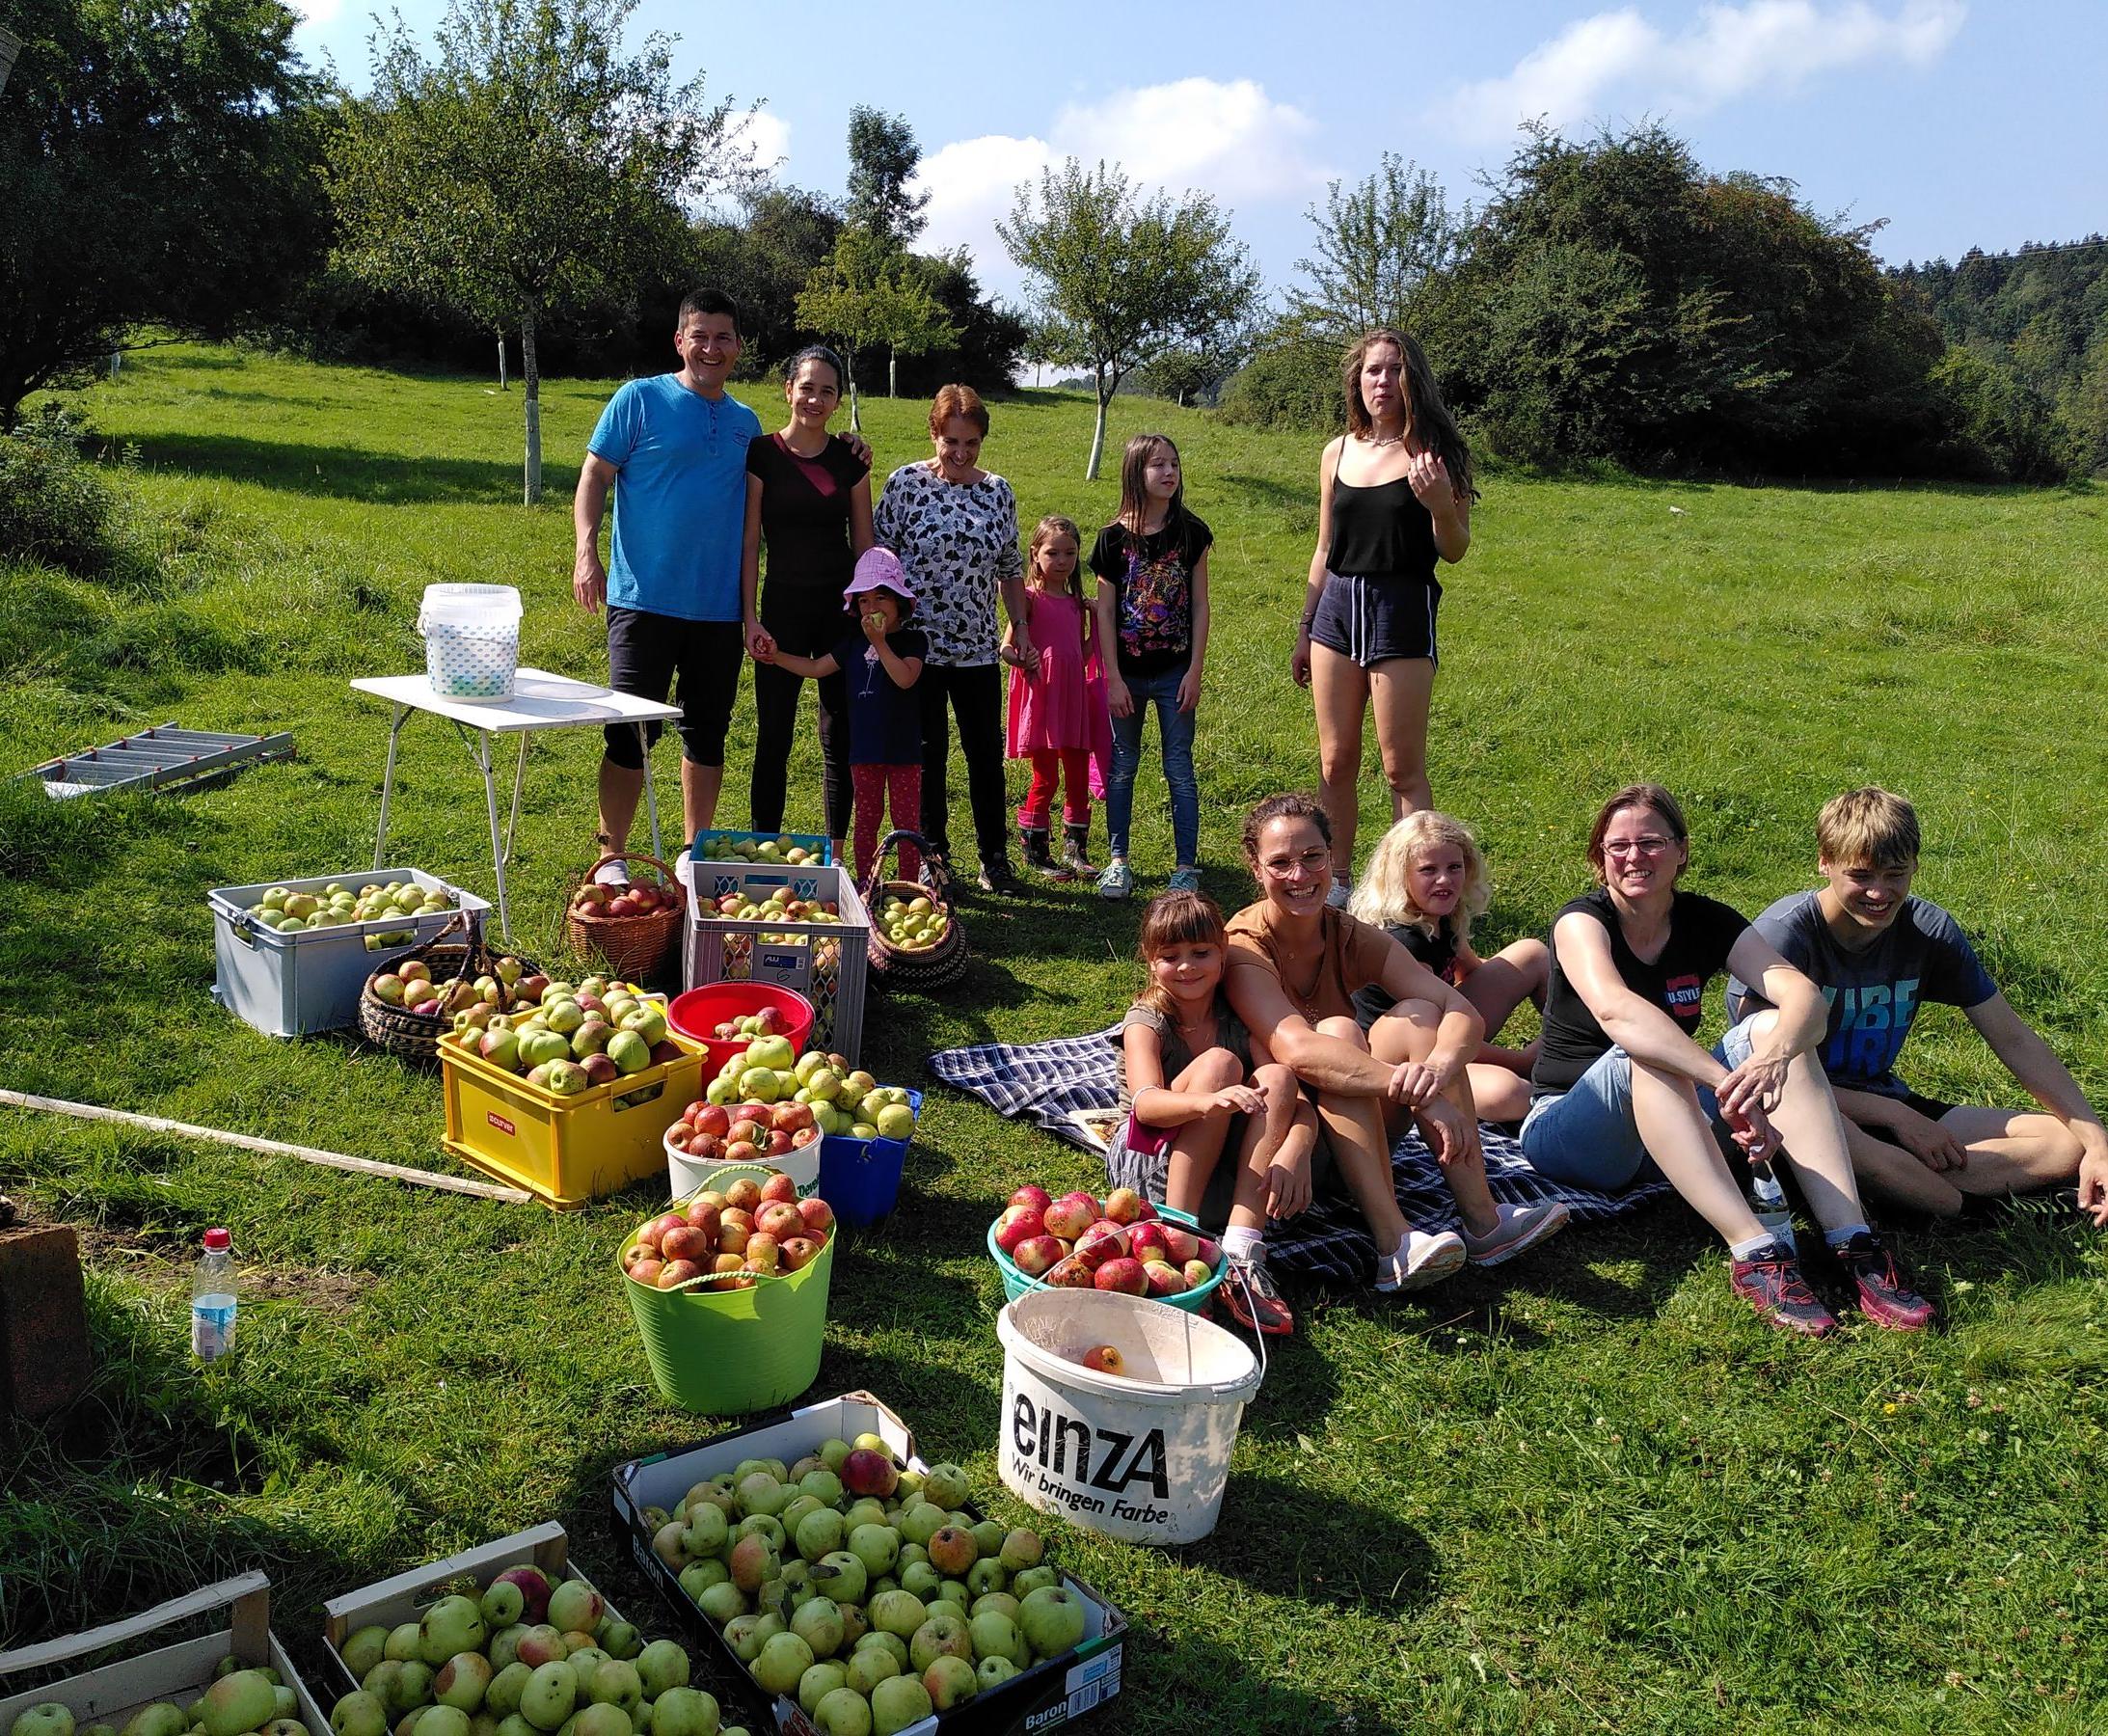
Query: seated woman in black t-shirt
[(1621, 1081), (1424, 882)]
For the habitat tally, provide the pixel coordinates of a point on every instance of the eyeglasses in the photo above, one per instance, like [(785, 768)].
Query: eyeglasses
[(1311, 861), (1621, 848)]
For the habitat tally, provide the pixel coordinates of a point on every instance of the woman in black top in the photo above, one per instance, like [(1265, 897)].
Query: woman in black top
[(1621, 1081), (808, 499), (1394, 496)]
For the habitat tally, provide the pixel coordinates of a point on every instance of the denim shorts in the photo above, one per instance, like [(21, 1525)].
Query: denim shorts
[(1586, 1135)]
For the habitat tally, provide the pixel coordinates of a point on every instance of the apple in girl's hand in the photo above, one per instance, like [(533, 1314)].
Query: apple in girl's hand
[(1124, 1206), (1017, 1224), (1070, 1215), (1038, 1255), (1031, 1194)]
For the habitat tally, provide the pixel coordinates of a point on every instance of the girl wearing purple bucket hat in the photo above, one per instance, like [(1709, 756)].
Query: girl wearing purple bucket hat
[(881, 661)]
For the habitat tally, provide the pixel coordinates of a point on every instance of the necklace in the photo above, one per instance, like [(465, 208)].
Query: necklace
[(1306, 998)]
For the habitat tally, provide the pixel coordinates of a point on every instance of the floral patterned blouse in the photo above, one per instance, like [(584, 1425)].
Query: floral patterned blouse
[(958, 542)]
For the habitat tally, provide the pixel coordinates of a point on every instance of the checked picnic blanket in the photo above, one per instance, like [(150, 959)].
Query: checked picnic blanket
[(1053, 1083)]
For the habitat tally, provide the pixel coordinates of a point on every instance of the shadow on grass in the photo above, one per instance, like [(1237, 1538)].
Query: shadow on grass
[(346, 472), (1297, 498), (1315, 1545)]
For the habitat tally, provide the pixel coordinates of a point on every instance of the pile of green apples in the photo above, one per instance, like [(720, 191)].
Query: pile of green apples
[(913, 924), (526, 1658), (242, 1700), (565, 1037), (337, 905), (845, 1101), (777, 852), (864, 1590)]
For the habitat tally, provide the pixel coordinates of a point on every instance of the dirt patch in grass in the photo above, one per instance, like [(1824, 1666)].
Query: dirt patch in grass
[(140, 1260)]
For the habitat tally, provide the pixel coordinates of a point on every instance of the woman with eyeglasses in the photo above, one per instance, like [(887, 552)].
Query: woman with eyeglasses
[(1623, 1091), (1294, 967)]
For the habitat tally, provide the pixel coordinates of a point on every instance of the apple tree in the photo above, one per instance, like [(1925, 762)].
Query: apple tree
[(1120, 280), (527, 174), (867, 292)]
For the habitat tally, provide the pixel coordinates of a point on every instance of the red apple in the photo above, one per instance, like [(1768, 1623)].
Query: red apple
[(1103, 1241), (695, 1111), (746, 1131), (779, 1142), (1147, 1242), (647, 1271), (1124, 1275), (666, 1049), (679, 1272), (1165, 1279), (704, 1218), (1182, 1244), (818, 1214), (1124, 1206), (791, 1117), (1106, 1359), (1038, 1254), (710, 1118), (1031, 1194), (779, 1188), (1069, 1274), (624, 905), (707, 1147), (804, 1137), (634, 1253), (867, 1473), (534, 1587), (654, 1234), (599, 1070), (799, 1252), (1017, 1224), (1211, 1252), (1070, 1215), (746, 1192), (779, 1218), (1148, 1215), (685, 1243)]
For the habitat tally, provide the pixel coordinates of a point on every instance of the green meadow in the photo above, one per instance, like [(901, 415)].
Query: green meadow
[(1585, 1491)]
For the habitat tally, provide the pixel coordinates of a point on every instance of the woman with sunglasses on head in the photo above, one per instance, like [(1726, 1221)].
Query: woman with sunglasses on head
[(1623, 1090)]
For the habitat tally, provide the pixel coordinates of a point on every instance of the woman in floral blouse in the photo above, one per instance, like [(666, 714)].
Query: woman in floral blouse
[(955, 528)]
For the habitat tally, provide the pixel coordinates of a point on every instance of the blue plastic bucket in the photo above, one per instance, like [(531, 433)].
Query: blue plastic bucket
[(861, 1178)]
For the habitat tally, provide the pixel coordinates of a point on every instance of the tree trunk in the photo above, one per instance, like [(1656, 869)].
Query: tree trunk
[(892, 378), (856, 416), (530, 373), (501, 361), (1097, 432)]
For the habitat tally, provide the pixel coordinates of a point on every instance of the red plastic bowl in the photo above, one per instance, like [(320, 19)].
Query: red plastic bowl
[(697, 1013)]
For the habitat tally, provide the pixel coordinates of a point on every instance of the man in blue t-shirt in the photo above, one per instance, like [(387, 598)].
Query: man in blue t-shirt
[(1878, 955), (673, 448)]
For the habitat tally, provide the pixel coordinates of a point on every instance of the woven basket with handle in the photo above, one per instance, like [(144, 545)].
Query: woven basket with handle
[(402, 1032), (634, 946), (923, 969)]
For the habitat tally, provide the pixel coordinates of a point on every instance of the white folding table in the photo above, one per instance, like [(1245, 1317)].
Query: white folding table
[(540, 700)]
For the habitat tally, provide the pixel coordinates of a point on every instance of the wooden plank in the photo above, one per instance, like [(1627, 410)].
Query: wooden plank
[(270, 1148)]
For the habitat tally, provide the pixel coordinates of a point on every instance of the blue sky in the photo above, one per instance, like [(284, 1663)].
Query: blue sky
[(1962, 123)]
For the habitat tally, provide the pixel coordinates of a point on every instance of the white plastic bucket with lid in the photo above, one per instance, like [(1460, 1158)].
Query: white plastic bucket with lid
[(472, 641), (1143, 1455)]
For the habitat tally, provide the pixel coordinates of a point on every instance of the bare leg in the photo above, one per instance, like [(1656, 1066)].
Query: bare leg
[(1402, 686), (1501, 1093), (621, 787), (1197, 1147), (1360, 1146), (1286, 1132), (1339, 689), (1679, 1138), (1892, 1176), (2011, 1151), (1515, 974), (699, 786), (1817, 1145), (1407, 1033)]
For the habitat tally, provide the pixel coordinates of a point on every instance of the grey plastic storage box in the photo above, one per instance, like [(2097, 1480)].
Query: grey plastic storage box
[(289, 985), (826, 962)]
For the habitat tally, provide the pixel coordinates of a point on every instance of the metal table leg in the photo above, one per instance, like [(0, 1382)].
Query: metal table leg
[(651, 796), (497, 849), (519, 776), (388, 783)]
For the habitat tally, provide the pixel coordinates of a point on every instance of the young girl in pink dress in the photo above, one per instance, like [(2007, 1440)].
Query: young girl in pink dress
[(1058, 715)]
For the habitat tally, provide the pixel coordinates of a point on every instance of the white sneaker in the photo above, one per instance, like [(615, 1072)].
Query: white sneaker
[(683, 870), (613, 874), (1342, 891), (1419, 1260)]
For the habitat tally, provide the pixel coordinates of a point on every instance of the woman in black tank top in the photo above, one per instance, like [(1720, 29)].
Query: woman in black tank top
[(1395, 498)]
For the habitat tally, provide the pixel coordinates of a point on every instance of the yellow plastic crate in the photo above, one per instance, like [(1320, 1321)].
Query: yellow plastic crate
[(566, 1151)]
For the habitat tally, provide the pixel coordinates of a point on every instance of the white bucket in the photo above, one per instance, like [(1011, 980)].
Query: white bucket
[(472, 641), (688, 1176), (1143, 1456)]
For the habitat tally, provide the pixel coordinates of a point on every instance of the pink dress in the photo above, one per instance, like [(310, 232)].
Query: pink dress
[(1062, 705)]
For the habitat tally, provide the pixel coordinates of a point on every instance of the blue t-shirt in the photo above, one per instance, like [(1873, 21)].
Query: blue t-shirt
[(680, 500), (1875, 993), (884, 718)]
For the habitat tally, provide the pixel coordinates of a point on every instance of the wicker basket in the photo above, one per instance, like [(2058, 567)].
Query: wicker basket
[(402, 1032), (924, 969), (634, 946)]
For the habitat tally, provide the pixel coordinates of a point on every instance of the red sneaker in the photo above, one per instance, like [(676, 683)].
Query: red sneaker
[(1248, 1293), (1885, 1298), (1769, 1281)]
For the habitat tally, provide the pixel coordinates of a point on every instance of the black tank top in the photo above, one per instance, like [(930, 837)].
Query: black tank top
[(1381, 531)]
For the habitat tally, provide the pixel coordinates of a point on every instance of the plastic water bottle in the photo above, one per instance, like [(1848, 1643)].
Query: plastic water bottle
[(1774, 1212), (213, 1299)]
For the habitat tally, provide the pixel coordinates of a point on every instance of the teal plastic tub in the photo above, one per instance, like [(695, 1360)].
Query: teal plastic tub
[(1017, 1283)]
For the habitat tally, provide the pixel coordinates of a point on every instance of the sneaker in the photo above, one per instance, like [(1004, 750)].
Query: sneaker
[(1519, 1227), (612, 874), (1184, 880), (1118, 880), (998, 876), (1769, 1281), (1249, 1296), (1342, 891), (1885, 1298), (1419, 1260), (683, 871)]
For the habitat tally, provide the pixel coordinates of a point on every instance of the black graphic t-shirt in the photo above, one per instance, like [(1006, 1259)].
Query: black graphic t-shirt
[(1436, 950), (1702, 932), (1153, 577)]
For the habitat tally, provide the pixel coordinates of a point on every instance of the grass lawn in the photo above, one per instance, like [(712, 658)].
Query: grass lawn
[(1586, 1491)]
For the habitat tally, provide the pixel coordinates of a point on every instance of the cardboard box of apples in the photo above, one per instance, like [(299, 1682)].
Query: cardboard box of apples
[(857, 1587), (1121, 1243)]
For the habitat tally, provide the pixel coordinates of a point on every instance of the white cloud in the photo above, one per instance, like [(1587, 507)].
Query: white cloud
[(315, 13), (1230, 140), (1775, 45), (768, 135)]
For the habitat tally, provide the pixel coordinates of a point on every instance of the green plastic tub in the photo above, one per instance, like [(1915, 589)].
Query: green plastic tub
[(722, 1353)]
